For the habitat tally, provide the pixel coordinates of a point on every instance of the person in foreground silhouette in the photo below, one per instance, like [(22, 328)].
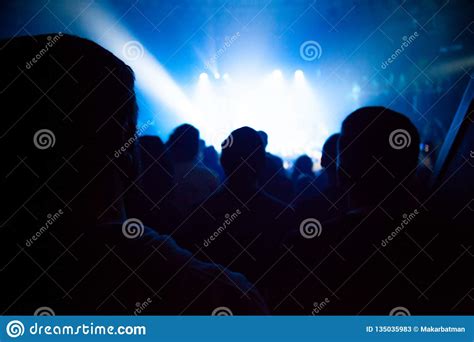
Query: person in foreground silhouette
[(324, 194), (241, 227), (355, 266), (67, 164), (194, 182), (210, 159), (302, 178), (273, 177), (151, 198)]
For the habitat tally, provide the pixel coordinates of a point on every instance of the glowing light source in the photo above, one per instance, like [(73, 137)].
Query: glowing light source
[(299, 75), (217, 75), (203, 77), (277, 74)]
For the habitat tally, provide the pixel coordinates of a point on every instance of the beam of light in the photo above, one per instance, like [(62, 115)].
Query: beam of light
[(152, 78)]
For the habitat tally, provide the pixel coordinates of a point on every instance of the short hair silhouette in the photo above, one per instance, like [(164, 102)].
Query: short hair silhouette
[(243, 154), (183, 143), (329, 151), (304, 165), (89, 113), (378, 148), (264, 137)]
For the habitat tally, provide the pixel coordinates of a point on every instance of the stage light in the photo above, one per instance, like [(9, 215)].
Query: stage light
[(226, 77), (217, 75), (203, 77), (299, 75), (355, 92), (277, 74)]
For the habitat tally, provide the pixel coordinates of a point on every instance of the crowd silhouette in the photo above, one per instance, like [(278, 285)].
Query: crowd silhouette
[(187, 230)]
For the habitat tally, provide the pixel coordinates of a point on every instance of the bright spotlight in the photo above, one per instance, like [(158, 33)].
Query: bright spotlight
[(226, 77), (203, 76), (299, 75), (277, 74), (217, 75)]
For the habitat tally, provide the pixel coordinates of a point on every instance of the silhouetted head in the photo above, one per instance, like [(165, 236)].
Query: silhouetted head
[(243, 155), (304, 165), (210, 156), (183, 144), (329, 152), (378, 148), (69, 112), (264, 137)]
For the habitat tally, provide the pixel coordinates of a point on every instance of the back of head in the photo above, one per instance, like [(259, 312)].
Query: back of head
[(210, 156), (183, 143), (243, 154), (329, 152), (304, 165), (264, 137), (69, 107), (378, 148)]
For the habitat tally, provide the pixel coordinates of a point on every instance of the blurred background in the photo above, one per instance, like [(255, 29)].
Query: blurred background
[(292, 68)]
